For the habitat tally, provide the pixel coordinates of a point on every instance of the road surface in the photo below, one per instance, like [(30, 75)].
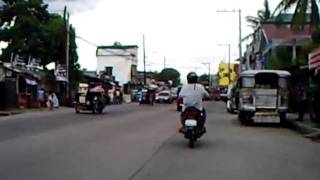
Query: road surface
[(142, 143)]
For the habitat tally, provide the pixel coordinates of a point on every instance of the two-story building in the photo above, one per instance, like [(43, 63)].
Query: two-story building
[(118, 61), (272, 35)]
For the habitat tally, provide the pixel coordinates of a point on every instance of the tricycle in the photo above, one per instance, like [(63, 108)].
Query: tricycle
[(93, 100)]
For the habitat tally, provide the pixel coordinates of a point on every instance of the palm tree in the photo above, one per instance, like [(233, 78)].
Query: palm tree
[(262, 15), (306, 11)]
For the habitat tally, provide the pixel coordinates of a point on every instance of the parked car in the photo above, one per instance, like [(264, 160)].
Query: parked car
[(233, 98), (164, 97)]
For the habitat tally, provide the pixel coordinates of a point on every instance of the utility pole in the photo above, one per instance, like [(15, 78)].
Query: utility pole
[(164, 62), (240, 45), (67, 47), (144, 62), (229, 67), (240, 34)]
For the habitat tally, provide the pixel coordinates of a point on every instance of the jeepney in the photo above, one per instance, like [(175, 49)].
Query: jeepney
[(263, 96)]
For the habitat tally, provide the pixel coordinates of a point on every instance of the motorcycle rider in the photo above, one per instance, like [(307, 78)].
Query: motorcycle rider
[(192, 95)]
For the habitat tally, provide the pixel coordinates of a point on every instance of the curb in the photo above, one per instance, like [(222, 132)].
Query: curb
[(9, 113), (308, 130)]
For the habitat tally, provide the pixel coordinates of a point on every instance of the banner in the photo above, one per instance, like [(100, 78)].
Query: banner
[(314, 59), (61, 73)]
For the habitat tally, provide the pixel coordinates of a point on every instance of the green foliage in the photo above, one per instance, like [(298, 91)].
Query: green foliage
[(204, 79), (262, 15), (301, 15), (31, 31), (316, 37), (169, 74), (21, 26), (281, 58), (74, 68)]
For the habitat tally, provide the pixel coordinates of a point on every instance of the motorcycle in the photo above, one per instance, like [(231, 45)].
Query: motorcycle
[(192, 130)]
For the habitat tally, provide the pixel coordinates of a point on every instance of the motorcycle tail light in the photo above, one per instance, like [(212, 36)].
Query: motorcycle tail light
[(191, 113)]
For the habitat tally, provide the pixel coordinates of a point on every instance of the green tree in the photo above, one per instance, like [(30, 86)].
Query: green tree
[(305, 12), (74, 68), (168, 74), (20, 26), (31, 31), (262, 15), (204, 79)]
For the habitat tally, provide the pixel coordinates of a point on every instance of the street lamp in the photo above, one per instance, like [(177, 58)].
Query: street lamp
[(229, 66), (209, 77), (240, 38)]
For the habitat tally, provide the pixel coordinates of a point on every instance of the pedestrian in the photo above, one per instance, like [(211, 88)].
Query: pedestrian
[(41, 97), (50, 100), (300, 100), (53, 101)]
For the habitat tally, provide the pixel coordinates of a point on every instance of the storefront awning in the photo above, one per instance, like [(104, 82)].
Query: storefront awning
[(62, 79), (31, 82)]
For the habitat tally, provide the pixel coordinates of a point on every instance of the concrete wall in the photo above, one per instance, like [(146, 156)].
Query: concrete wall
[(121, 67)]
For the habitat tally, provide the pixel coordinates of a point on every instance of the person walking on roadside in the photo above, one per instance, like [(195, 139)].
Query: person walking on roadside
[(53, 101), (41, 97), (301, 100)]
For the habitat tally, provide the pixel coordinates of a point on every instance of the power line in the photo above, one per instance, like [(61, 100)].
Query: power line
[(91, 43)]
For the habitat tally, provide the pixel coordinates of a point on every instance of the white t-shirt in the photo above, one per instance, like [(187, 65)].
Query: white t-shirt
[(192, 95)]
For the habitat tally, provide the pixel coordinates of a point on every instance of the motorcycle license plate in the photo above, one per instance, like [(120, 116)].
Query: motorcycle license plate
[(82, 99), (190, 123)]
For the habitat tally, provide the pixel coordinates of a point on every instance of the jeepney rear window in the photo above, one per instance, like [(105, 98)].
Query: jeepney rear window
[(247, 82), (283, 83), (266, 81)]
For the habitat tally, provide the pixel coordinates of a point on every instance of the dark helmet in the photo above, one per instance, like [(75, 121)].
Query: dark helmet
[(192, 77)]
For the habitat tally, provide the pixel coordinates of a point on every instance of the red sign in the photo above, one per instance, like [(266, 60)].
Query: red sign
[(314, 59)]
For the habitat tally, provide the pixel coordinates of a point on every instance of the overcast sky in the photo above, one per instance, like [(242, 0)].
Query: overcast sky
[(186, 32)]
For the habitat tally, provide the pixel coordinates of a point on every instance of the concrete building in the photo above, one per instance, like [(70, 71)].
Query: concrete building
[(118, 61)]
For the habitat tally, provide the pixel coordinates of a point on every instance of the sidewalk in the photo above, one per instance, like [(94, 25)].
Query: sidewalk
[(11, 112), (306, 127)]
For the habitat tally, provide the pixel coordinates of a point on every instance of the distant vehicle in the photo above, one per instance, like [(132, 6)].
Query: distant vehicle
[(174, 93), (223, 94), (233, 98), (215, 94), (263, 96), (164, 97), (90, 99), (135, 95), (147, 97)]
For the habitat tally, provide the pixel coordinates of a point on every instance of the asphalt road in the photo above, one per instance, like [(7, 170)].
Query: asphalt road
[(141, 142)]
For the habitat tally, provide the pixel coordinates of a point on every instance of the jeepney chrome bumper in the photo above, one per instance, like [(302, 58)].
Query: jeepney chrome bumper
[(266, 117), (248, 108)]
